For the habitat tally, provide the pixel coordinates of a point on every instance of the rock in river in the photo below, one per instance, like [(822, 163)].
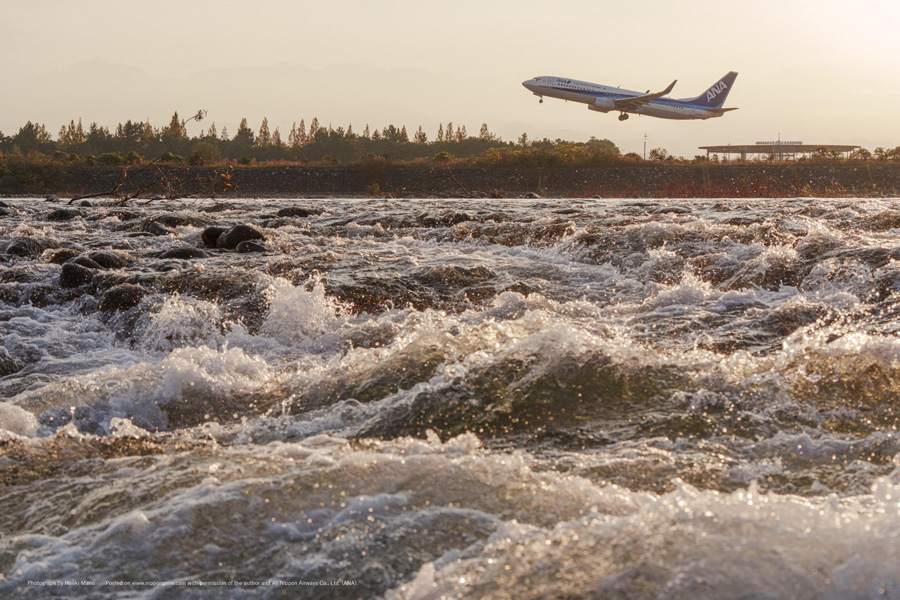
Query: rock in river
[(294, 211), (63, 214), (122, 297), (72, 275), (29, 246), (251, 246), (185, 253), (237, 234), (110, 259), (211, 235)]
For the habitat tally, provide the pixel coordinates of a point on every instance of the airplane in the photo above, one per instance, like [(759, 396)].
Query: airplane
[(605, 99)]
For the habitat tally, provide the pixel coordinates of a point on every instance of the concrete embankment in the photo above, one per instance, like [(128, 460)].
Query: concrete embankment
[(644, 180)]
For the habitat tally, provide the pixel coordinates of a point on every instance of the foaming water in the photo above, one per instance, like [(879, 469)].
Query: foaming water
[(455, 398)]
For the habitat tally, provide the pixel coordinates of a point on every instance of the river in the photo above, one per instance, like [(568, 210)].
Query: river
[(424, 399)]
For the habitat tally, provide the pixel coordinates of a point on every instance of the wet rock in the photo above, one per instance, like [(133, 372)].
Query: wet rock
[(63, 214), (294, 211), (29, 246), (4, 204), (9, 364), (51, 199), (185, 253), (121, 297), (211, 235), (7, 212), (532, 196), (237, 234), (250, 246), (86, 204), (154, 228), (110, 259), (123, 215), (60, 256), (166, 224), (217, 207), (86, 262), (72, 275)]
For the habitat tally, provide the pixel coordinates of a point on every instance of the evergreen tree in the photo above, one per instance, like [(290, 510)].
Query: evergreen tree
[(448, 135), (301, 134), (461, 134), (404, 137), (440, 134), (366, 132), (175, 130), (264, 138), (224, 136), (147, 133), (349, 133), (32, 137), (276, 139), (485, 133), (212, 132), (313, 129), (523, 139), (421, 137), (244, 135)]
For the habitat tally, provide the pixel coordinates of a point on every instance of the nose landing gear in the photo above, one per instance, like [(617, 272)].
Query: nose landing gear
[(623, 117), (541, 101)]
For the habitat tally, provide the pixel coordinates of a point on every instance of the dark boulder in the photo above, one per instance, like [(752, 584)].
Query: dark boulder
[(184, 253), (110, 259), (122, 297), (63, 214), (86, 262), (532, 196), (72, 275), (7, 212), (58, 257), (211, 235), (166, 223), (86, 204), (154, 228), (237, 234), (9, 364), (29, 246), (217, 207), (294, 211), (250, 246)]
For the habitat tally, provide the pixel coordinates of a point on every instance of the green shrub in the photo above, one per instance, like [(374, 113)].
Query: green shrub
[(110, 159)]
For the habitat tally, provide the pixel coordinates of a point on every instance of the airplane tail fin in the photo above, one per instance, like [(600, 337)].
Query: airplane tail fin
[(715, 96)]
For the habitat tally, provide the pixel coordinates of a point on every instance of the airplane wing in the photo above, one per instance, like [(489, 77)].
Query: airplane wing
[(636, 102)]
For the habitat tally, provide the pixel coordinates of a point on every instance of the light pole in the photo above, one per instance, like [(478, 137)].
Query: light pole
[(645, 146)]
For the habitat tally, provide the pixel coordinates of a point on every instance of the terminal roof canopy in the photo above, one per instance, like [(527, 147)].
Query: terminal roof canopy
[(777, 148)]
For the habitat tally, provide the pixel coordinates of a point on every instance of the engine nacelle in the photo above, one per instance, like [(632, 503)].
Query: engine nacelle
[(602, 105)]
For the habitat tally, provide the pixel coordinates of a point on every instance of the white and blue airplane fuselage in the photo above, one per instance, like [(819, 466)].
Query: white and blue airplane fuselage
[(602, 98)]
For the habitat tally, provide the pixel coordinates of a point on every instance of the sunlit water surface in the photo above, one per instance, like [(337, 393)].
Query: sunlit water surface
[(456, 399)]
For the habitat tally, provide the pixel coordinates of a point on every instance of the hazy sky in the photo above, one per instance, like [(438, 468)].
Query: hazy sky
[(817, 71)]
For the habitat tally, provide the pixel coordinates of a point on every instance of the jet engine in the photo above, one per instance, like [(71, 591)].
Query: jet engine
[(602, 105)]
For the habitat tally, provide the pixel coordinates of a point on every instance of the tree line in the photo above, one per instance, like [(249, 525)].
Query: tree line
[(136, 141)]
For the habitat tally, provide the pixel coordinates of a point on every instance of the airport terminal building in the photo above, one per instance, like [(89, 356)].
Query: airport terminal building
[(778, 150)]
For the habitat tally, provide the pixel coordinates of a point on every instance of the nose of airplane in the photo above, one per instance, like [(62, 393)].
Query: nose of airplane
[(529, 84)]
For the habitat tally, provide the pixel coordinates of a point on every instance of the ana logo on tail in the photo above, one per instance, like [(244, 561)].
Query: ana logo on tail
[(715, 90)]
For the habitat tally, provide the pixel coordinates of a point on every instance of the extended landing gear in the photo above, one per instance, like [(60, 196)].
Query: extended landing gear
[(623, 117), (541, 101)]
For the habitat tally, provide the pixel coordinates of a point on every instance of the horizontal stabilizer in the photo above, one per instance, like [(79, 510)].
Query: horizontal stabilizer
[(719, 111)]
